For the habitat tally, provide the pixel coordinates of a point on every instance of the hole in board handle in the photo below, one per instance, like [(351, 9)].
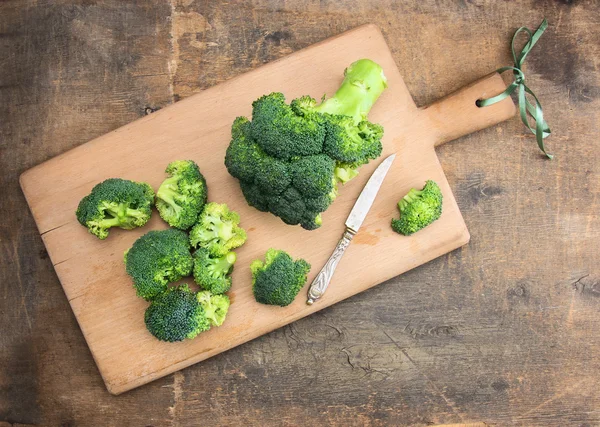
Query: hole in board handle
[(478, 103)]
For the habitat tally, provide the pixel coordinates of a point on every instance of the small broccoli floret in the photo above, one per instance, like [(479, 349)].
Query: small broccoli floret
[(175, 314), (278, 279), (254, 196), (290, 206), (213, 273), (272, 175), (217, 230), (311, 175), (283, 134), (350, 142), (115, 202), (157, 259), (312, 222), (243, 154), (215, 307), (181, 197), (418, 209)]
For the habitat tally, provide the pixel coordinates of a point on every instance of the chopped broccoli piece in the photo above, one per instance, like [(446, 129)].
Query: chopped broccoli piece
[(175, 314), (115, 202), (215, 307), (217, 230), (181, 197), (157, 259), (213, 273), (290, 158), (418, 209), (278, 279)]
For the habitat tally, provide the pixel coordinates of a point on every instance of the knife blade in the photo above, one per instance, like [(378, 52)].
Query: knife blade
[(355, 219)]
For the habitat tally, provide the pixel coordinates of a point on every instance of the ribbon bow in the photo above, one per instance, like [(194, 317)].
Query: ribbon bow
[(541, 129)]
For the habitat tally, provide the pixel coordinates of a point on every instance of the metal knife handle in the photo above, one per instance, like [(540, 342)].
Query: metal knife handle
[(321, 282)]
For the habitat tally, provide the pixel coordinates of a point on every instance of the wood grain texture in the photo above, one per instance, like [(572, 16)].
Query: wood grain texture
[(502, 331), (92, 272)]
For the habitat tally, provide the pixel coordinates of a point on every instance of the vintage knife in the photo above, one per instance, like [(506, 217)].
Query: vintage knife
[(355, 219)]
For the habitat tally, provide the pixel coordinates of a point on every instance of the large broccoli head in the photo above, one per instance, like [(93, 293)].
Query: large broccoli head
[(175, 314), (217, 230), (418, 209), (181, 197), (278, 279), (290, 158), (115, 202), (157, 259), (213, 273)]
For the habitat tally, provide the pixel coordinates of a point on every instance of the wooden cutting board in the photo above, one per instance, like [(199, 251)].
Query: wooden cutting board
[(92, 272)]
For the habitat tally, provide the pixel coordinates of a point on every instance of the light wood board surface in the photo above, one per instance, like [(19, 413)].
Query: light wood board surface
[(92, 272)]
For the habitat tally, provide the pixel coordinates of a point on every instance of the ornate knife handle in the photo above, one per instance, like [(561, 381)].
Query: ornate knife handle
[(321, 282)]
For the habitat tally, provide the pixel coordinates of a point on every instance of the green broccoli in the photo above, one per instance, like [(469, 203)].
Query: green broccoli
[(418, 209), (157, 259), (215, 307), (278, 279), (181, 197), (282, 132), (213, 273), (217, 230), (290, 158), (175, 314), (115, 202)]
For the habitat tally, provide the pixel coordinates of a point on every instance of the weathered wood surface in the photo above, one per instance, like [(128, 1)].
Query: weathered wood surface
[(504, 331)]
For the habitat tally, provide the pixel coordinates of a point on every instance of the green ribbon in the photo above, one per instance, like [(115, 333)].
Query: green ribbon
[(541, 129)]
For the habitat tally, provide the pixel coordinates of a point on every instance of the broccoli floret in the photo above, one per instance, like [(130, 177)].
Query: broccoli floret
[(283, 134), (278, 279), (157, 259), (418, 209), (349, 142), (243, 154), (254, 196), (181, 197), (311, 175), (115, 202), (290, 158), (290, 206), (215, 307), (175, 314), (213, 273), (312, 222), (217, 230), (272, 175)]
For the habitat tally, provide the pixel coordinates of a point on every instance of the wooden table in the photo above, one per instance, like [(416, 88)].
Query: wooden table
[(503, 331)]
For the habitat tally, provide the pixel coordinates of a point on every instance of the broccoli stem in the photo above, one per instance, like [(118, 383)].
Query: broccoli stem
[(218, 230), (345, 173), (106, 223), (135, 213), (222, 265), (412, 195), (363, 82), (168, 191), (118, 215)]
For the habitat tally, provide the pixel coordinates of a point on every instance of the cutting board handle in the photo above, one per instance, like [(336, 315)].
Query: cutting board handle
[(458, 114)]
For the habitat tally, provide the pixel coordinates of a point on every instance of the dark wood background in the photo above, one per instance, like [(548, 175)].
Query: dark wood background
[(502, 331)]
